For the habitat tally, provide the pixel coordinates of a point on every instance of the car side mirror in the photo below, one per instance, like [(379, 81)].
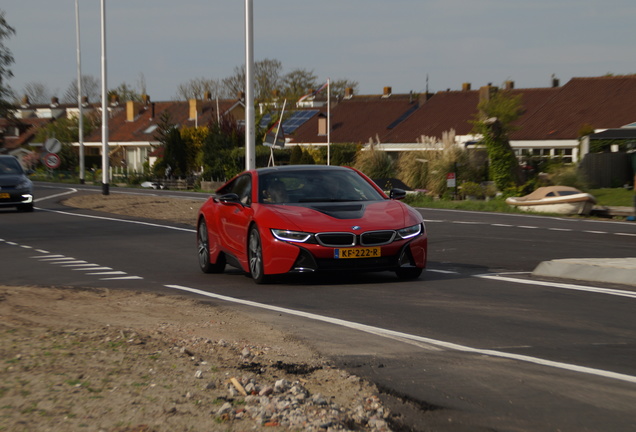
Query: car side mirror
[(230, 198), (397, 194)]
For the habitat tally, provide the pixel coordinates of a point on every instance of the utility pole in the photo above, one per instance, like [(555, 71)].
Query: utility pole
[(105, 151), (250, 130), (80, 119)]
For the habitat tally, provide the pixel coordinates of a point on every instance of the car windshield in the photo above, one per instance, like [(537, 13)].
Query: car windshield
[(306, 186), (10, 165)]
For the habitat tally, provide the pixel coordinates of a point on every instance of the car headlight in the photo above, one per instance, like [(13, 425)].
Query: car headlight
[(291, 236), (409, 232), (24, 184)]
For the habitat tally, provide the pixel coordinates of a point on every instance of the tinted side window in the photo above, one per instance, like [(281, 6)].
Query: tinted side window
[(242, 186)]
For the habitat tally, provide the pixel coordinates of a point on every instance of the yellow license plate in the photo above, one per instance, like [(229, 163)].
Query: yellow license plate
[(373, 252), (5, 195)]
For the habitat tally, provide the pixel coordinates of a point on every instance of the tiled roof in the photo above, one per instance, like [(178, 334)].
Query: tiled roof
[(28, 129), (358, 119), (602, 102), (442, 112), (548, 113)]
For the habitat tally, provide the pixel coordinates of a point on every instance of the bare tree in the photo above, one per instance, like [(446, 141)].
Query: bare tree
[(196, 88), (299, 82), (91, 88), (141, 84), (338, 87), (267, 78), (6, 59), (37, 92)]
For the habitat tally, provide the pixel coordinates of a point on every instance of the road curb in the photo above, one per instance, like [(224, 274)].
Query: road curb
[(608, 270)]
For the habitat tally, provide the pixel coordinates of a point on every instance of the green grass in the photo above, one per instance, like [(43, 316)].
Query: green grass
[(606, 197), (614, 197), (494, 205)]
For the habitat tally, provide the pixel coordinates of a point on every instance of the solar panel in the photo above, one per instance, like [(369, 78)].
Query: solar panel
[(265, 121), (297, 119)]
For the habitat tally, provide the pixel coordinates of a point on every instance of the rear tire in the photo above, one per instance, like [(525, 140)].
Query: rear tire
[(255, 256), (203, 248)]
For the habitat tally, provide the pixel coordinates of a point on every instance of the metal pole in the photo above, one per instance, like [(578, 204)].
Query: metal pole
[(328, 121), (105, 151), (82, 168), (250, 131)]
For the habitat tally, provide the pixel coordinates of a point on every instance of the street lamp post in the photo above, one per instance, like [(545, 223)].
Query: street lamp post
[(105, 151), (79, 96), (250, 132)]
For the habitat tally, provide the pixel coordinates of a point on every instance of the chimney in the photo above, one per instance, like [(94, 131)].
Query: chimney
[(486, 92), (145, 99), (84, 101), (466, 86), (25, 101), (348, 93), (387, 92), (241, 95), (509, 85), (132, 110), (195, 108), (555, 82), (114, 99), (275, 94), (207, 95), (55, 102)]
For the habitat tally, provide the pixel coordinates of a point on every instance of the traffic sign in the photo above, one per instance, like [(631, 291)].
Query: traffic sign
[(450, 180), (52, 160), (52, 145)]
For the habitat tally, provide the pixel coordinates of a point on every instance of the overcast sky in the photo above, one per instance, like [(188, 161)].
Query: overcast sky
[(393, 43)]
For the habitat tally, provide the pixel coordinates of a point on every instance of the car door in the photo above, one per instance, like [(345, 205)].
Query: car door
[(235, 217)]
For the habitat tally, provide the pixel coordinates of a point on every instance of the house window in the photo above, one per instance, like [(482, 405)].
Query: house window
[(322, 126)]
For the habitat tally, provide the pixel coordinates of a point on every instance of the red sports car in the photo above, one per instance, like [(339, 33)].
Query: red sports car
[(308, 218)]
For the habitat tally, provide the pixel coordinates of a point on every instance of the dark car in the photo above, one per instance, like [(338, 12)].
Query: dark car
[(16, 190), (309, 218)]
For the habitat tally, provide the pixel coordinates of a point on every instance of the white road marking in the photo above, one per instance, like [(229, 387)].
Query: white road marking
[(615, 292), (442, 271), (114, 272), (123, 278), (121, 220), (427, 341), (96, 267)]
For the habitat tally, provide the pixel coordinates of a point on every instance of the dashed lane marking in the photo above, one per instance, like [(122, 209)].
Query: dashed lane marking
[(75, 264)]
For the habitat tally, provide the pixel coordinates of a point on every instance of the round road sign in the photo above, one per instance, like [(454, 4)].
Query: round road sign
[(51, 160), (52, 145)]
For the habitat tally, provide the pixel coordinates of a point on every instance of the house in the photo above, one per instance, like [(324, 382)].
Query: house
[(132, 127), (549, 127)]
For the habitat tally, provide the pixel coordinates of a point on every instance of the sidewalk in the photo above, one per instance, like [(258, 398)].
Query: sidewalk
[(608, 270)]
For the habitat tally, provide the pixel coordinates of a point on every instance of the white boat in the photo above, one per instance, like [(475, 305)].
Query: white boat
[(555, 199)]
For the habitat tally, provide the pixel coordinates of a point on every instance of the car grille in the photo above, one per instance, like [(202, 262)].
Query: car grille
[(344, 239), (336, 239), (376, 238)]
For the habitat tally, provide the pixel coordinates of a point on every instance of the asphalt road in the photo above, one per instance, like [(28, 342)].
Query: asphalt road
[(475, 344)]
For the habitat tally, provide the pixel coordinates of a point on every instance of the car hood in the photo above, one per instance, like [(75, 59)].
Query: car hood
[(368, 215), (11, 179)]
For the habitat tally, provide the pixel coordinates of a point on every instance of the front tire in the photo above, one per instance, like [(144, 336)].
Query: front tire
[(408, 273), (255, 256), (203, 249)]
